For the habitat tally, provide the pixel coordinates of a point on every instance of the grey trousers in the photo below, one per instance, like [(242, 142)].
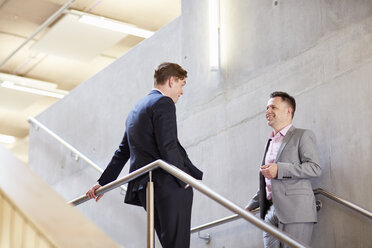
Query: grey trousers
[(299, 231)]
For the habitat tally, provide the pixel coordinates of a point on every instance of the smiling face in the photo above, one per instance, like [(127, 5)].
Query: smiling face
[(278, 114), (176, 88)]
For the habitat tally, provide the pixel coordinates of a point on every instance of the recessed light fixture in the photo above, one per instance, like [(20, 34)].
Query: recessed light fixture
[(31, 86), (53, 93), (115, 25), (6, 139), (82, 36)]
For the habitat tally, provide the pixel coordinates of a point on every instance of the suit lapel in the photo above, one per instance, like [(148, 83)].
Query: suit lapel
[(266, 148), (287, 137)]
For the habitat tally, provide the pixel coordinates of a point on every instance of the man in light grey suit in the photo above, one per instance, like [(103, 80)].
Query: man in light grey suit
[(285, 195)]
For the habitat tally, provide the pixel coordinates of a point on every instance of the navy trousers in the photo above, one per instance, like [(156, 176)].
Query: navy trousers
[(172, 207)]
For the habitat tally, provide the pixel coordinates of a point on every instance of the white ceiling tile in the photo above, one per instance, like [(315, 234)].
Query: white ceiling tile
[(70, 38)]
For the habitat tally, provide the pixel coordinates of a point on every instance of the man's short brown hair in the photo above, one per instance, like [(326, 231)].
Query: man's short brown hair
[(286, 98), (167, 70)]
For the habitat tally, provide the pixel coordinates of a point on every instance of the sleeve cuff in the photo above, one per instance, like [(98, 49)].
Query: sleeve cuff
[(284, 170)]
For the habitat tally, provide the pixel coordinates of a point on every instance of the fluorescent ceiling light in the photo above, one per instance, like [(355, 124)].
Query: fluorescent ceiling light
[(52, 92), (69, 38), (113, 25), (31, 85), (28, 82), (82, 36), (6, 139)]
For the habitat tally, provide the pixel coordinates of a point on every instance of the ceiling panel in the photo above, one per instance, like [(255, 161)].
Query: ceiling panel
[(72, 39), (68, 73), (24, 100), (146, 14), (38, 106), (13, 123), (122, 46), (24, 17), (22, 60)]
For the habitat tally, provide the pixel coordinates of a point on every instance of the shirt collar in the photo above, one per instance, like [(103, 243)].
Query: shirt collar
[(282, 132), (159, 91)]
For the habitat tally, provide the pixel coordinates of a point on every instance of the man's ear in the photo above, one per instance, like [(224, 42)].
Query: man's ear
[(290, 110), (170, 82)]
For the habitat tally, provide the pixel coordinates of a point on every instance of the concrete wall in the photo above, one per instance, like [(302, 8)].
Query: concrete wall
[(319, 51)]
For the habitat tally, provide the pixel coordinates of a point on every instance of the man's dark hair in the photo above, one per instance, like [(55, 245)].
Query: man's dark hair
[(286, 98), (167, 70)]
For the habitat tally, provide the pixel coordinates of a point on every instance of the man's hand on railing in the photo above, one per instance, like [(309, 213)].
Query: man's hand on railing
[(92, 193)]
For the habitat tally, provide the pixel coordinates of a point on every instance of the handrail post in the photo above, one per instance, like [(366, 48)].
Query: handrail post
[(150, 212)]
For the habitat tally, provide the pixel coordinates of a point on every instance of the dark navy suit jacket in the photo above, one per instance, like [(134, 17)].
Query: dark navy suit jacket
[(151, 134)]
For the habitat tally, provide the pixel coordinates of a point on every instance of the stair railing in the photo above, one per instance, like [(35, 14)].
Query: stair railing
[(75, 151), (201, 227), (196, 184), (317, 191)]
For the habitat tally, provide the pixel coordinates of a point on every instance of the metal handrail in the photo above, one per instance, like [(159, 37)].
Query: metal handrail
[(201, 188), (343, 202), (316, 191), (219, 222), (67, 145), (140, 172)]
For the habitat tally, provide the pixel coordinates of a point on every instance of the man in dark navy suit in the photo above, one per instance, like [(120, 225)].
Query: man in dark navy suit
[(151, 134)]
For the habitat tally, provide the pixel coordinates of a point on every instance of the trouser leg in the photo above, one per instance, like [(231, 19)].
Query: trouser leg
[(300, 231), (172, 209), (269, 240)]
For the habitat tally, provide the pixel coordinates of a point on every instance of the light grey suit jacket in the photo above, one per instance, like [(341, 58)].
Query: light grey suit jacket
[(292, 193)]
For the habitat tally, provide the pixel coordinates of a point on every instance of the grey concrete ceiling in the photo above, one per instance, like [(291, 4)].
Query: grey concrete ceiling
[(19, 19)]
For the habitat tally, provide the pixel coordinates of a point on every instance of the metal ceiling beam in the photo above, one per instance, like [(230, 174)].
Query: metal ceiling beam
[(51, 19)]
